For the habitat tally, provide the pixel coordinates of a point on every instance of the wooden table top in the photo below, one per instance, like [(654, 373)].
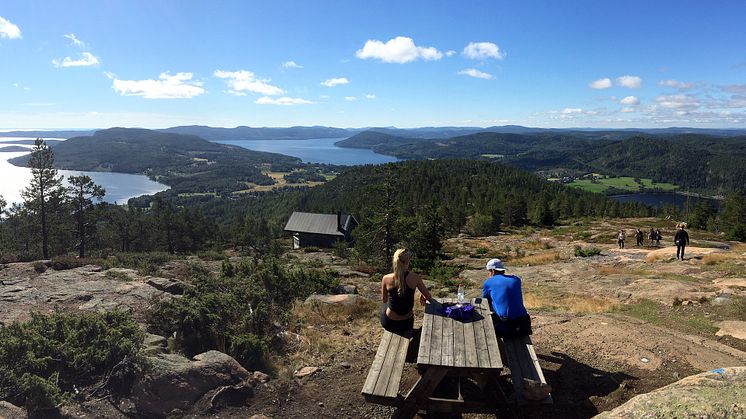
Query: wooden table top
[(453, 343)]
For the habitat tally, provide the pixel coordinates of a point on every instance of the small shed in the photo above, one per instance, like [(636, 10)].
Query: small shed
[(321, 230)]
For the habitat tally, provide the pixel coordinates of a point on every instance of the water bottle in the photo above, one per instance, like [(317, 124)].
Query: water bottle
[(460, 294)]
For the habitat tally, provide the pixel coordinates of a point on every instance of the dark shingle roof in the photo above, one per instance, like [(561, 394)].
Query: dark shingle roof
[(306, 222)]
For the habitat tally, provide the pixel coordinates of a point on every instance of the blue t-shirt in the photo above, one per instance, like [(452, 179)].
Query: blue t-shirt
[(504, 294)]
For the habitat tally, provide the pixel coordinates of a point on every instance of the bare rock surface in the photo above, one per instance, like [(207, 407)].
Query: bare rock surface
[(86, 288), (338, 299), (720, 393), (734, 328), (11, 411)]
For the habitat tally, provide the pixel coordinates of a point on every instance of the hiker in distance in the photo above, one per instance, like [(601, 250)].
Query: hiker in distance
[(681, 239), (639, 236), (621, 238), (397, 295), (505, 296)]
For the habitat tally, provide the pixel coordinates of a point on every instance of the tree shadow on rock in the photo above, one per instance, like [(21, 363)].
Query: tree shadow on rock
[(579, 390)]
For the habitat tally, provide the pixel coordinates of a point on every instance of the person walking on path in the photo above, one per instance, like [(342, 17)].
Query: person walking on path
[(621, 237), (639, 236), (658, 237), (681, 239), (651, 236), (505, 296)]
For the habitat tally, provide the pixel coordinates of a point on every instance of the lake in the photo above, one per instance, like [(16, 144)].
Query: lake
[(317, 150), (119, 186), (659, 199)]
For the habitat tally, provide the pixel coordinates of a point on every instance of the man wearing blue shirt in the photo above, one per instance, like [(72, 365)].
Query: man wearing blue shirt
[(506, 300)]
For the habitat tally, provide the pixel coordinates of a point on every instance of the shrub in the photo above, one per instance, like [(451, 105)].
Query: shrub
[(64, 262), (311, 249), (340, 249), (235, 314), (591, 251), (446, 275), (39, 267), (46, 356), (117, 275)]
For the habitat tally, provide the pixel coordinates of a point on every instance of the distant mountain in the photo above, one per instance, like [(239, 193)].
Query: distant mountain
[(13, 149), (375, 139), (48, 134), (248, 133)]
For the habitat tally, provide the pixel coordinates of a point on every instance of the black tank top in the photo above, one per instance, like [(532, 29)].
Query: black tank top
[(401, 305)]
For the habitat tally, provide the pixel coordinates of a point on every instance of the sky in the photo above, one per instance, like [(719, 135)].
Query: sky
[(155, 64)]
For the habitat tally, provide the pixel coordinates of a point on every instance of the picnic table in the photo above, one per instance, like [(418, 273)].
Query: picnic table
[(451, 348)]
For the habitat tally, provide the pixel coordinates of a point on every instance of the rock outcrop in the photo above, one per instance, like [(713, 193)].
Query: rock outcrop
[(720, 393), (11, 411), (175, 382)]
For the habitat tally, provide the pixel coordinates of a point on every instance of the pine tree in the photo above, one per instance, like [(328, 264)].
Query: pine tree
[(43, 198), (82, 191)]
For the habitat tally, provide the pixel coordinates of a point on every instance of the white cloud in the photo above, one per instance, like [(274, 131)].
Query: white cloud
[(450, 53), (284, 101), (473, 72), (630, 100), (370, 96), (242, 81), (335, 82), (77, 42), (86, 60), (675, 83), (291, 64), (350, 98), (603, 83), (734, 88), (679, 102), (627, 110), (398, 50), (483, 50), (8, 29), (630, 82), (570, 111), (177, 86)]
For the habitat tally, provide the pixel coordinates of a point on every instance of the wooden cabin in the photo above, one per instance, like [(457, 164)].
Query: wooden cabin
[(320, 230)]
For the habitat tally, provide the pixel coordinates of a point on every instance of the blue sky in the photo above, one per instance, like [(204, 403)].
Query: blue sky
[(154, 64)]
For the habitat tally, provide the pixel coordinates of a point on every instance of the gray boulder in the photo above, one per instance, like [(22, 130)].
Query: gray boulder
[(346, 289), (169, 285), (174, 382), (719, 393)]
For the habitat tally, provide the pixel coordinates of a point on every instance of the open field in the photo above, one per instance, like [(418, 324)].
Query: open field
[(601, 184)]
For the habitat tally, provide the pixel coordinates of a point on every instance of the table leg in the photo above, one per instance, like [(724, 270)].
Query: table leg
[(420, 392)]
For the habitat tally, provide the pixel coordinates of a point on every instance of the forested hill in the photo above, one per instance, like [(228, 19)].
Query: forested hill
[(446, 192), (703, 163), (185, 162)]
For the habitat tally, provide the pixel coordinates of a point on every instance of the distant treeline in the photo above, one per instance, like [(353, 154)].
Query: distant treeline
[(696, 162)]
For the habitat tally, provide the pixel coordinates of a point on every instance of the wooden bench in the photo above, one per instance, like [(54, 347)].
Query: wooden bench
[(521, 358), (384, 376)]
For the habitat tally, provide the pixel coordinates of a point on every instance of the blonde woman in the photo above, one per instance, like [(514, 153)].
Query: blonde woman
[(397, 295)]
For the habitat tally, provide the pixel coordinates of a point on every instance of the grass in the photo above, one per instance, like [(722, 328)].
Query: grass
[(572, 303), (537, 259), (689, 319), (718, 258)]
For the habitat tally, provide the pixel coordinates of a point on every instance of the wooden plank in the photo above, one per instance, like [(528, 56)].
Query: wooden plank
[(459, 349), (420, 392), (399, 356), (483, 355), (492, 347), (423, 355), (516, 372), (471, 358), (375, 368), (534, 359), (388, 368), (436, 340), (446, 356)]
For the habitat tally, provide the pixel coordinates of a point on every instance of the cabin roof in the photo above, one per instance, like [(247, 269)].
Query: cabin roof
[(307, 222)]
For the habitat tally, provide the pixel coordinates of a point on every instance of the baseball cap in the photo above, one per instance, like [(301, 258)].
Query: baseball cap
[(496, 265)]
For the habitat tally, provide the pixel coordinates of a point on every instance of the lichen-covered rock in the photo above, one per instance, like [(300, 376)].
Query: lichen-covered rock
[(169, 285), (719, 393), (175, 382)]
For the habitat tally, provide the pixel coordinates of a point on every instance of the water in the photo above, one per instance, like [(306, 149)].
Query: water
[(659, 199), (119, 186), (317, 150)]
